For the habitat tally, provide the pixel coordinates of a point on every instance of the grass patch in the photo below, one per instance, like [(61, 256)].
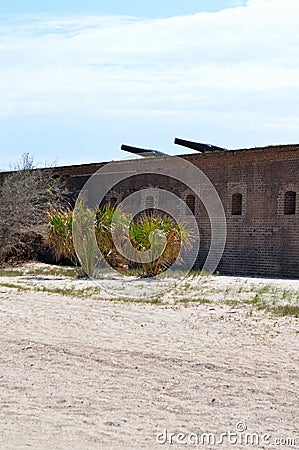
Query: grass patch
[(286, 310), (265, 290), (199, 301), (69, 292), (258, 303), (10, 273), (261, 298), (56, 271), (232, 303), (280, 310), (14, 286), (66, 292), (151, 301)]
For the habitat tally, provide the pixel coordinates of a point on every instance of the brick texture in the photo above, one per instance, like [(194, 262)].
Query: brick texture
[(263, 240)]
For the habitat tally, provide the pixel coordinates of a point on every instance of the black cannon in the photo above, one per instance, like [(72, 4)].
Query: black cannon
[(199, 147), (141, 151)]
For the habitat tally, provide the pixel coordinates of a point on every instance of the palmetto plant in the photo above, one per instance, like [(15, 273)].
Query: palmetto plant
[(60, 237), (60, 234), (109, 219), (148, 231), (148, 234)]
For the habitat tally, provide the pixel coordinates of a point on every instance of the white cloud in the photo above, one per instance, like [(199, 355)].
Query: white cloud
[(241, 61)]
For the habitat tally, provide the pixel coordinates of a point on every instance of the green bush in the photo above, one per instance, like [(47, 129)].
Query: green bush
[(148, 233)]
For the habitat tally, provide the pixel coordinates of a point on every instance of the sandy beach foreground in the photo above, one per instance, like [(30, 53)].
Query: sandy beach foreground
[(79, 373)]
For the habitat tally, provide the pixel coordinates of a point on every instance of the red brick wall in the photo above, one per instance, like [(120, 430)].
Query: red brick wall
[(261, 241)]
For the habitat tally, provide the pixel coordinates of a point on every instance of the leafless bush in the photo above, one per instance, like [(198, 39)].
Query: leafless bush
[(26, 194)]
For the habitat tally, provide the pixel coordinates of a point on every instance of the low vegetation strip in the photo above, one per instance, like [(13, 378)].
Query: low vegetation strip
[(275, 297)]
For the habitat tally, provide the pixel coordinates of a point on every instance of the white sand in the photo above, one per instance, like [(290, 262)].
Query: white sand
[(94, 374)]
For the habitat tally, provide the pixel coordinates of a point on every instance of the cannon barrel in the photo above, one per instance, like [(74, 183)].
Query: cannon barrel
[(197, 145), (141, 151)]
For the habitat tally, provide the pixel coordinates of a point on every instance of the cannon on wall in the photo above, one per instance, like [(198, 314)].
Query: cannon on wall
[(141, 151), (199, 147)]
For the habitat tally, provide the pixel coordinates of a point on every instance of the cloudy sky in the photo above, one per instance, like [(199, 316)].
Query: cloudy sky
[(79, 78)]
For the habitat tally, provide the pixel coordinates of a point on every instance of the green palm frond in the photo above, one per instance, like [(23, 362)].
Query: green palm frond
[(144, 234)]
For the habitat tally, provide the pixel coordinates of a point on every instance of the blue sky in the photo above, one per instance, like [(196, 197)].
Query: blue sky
[(151, 9), (78, 79)]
